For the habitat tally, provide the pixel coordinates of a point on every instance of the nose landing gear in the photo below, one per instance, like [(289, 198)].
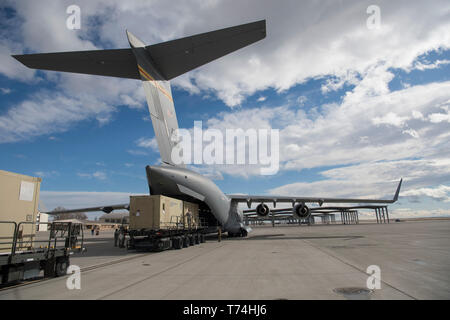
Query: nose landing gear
[(241, 233)]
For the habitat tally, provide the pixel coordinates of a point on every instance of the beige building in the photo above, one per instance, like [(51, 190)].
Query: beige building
[(19, 198)]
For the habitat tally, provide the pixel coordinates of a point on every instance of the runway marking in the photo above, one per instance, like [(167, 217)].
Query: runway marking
[(357, 268), (43, 281), (109, 263), (20, 284), (160, 272)]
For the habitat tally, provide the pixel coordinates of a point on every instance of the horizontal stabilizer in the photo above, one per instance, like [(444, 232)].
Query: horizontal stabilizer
[(173, 58), (114, 63)]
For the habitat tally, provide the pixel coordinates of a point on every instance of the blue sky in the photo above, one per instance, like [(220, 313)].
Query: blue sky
[(357, 109)]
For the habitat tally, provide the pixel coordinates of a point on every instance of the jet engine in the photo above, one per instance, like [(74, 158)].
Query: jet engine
[(262, 210), (301, 211)]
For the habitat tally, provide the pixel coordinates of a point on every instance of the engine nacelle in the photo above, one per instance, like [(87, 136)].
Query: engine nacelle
[(262, 210), (301, 211)]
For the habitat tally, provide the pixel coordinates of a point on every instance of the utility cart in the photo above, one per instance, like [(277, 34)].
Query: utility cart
[(24, 258)]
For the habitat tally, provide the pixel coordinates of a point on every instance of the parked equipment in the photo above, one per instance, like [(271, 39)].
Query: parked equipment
[(21, 260), (159, 223)]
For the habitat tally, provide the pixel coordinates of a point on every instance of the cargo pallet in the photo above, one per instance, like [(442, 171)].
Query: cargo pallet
[(25, 261)]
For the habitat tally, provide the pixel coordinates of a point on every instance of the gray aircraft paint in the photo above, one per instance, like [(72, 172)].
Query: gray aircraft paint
[(155, 65)]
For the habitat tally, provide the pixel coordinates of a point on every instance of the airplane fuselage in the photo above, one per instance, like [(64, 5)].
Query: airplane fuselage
[(182, 182)]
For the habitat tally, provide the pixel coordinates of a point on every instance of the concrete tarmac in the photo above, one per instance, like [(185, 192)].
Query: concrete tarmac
[(285, 262)]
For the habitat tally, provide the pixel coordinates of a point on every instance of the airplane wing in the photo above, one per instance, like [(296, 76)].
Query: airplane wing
[(249, 199), (281, 212), (289, 210), (106, 209)]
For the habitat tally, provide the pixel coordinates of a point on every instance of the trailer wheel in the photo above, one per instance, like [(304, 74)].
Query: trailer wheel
[(185, 241), (177, 242), (62, 264)]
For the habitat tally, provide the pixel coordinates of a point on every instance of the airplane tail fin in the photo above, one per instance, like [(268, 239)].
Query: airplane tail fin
[(155, 65), (134, 41), (159, 100), (160, 62)]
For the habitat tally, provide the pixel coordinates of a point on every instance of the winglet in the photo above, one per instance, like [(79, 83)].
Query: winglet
[(398, 190)]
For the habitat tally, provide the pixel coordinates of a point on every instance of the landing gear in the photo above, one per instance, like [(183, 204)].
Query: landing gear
[(242, 233)]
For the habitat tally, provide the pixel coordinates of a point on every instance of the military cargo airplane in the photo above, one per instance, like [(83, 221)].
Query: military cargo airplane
[(155, 65)]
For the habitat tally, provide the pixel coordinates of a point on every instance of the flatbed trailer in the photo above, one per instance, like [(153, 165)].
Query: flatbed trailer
[(164, 239), (52, 257), (159, 222)]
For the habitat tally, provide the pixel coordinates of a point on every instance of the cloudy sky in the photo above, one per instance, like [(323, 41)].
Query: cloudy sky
[(357, 107)]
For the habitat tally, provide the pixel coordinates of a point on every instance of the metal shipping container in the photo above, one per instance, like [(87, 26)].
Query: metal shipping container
[(155, 212), (19, 199)]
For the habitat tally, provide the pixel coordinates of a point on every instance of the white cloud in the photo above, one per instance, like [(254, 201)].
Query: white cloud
[(420, 66), (347, 133), (304, 40), (301, 100), (334, 84), (5, 90), (47, 174), (441, 193), (100, 175), (439, 117), (137, 152), (390, 119), (377, 180), (149, 143), (47, 113)]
